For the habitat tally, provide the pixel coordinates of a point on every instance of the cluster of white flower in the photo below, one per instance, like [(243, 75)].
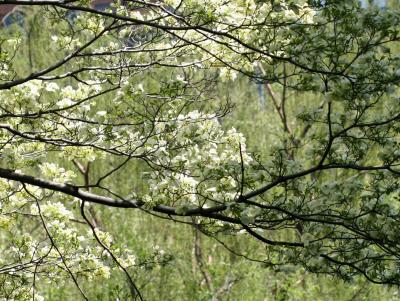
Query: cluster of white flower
[(206, 168)]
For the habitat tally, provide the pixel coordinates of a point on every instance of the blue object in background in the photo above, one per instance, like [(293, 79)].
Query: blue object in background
[(379, 3), (101, 6), (261, 94), (14, 17)]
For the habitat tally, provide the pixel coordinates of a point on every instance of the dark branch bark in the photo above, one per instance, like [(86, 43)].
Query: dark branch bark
[(97, 199)]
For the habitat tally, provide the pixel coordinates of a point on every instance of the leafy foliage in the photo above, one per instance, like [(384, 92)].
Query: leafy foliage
[(130, 108)]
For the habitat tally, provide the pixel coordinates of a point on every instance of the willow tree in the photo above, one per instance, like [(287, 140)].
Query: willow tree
[(138, 83)]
